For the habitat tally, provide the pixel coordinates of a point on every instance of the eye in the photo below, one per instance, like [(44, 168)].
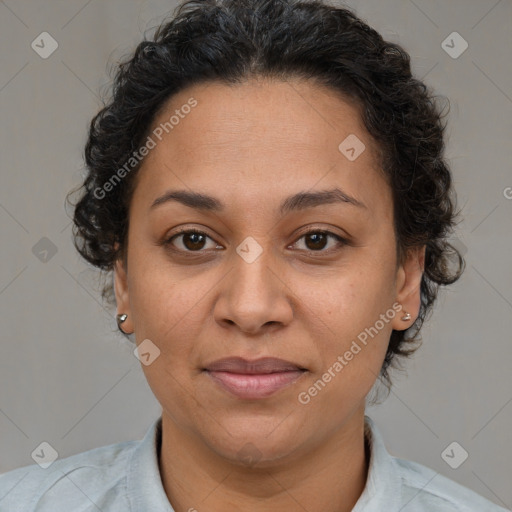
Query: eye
[(317, 240), (192, 240)]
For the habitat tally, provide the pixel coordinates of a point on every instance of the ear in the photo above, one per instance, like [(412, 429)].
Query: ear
[(408, 281), (122, 295)]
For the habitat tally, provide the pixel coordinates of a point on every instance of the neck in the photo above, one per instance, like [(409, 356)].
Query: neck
[(327, 477)]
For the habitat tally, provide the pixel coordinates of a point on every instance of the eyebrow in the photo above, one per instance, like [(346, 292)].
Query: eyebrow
[(296, 202)]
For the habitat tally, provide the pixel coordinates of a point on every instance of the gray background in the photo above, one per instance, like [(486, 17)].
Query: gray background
[(68, 378)]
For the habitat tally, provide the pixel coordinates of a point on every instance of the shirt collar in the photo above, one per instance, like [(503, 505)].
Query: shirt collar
[(145, 488), (146, 491), (382, 487)]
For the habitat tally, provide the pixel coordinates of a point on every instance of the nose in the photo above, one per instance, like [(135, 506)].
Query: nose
[(254, 296)]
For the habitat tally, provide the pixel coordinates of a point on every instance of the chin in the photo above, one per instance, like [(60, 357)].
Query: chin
[(248, 441)]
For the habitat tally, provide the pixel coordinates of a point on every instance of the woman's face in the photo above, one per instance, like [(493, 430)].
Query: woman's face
[(255, 284)]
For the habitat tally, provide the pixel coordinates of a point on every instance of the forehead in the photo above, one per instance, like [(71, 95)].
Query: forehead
[(262, 136), (296, 116)]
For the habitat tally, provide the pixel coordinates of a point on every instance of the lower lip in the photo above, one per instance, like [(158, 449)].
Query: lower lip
[(252, 387)]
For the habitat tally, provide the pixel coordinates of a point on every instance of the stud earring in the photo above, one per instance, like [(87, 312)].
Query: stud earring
[(406, 317), (120, 319)]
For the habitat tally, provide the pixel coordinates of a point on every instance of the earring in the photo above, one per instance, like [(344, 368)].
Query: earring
[(120, 319), (406, 317)]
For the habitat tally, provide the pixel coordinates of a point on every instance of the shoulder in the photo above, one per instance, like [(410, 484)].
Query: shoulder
[(423, 489), (89, 479)]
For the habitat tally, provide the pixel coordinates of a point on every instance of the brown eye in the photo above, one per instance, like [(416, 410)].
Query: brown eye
[(317, 241), (191, 241)]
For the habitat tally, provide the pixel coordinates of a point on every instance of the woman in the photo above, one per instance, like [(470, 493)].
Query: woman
[(268, 187)]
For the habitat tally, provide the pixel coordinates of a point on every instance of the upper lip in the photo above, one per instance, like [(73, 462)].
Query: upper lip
[(256, 366)]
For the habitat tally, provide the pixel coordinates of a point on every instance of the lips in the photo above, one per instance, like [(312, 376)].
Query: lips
[(258, 366), (251, 380)]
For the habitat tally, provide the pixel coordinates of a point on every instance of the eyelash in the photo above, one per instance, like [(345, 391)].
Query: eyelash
[(341, 241)]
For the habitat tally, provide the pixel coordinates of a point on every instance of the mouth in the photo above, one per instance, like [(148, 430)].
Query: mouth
[(252, 380)]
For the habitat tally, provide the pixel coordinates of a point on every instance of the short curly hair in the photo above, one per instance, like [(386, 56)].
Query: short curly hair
[(231, 41)]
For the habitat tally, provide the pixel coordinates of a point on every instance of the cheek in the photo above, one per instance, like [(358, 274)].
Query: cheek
[(350, 316), (172, 308), (169, 311), (349, 300), (161, 295), (352, 345)]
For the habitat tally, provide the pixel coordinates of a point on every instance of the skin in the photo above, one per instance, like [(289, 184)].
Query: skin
[(252, 145)]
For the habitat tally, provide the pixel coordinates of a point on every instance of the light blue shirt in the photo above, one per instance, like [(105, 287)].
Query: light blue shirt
[(124, 477)]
